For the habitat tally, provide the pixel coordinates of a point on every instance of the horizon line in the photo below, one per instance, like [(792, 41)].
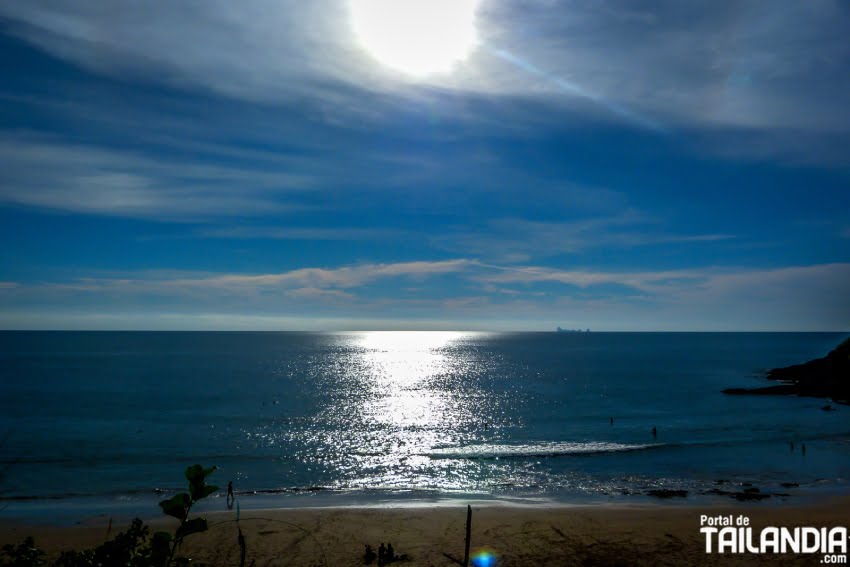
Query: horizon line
[(331, 331)]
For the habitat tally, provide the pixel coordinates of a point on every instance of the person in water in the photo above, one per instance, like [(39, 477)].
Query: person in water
[(654, 432)]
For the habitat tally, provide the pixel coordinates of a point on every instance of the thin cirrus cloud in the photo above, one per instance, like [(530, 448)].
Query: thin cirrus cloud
[(312, 278), (54, 174), (520, 239), (739, 64), (787, 298), (298, 233), (790, 297)]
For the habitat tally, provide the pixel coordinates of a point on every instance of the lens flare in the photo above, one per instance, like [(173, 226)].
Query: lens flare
[(484, 558)]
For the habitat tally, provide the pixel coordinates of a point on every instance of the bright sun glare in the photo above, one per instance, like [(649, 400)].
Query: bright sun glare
[(418, 37)]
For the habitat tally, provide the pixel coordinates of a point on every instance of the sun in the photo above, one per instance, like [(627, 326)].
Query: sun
[(417, 37)]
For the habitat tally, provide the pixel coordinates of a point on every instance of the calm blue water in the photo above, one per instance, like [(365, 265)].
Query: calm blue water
[(112, 417)]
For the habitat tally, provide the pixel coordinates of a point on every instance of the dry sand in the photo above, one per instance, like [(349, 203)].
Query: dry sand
[(564, 535)]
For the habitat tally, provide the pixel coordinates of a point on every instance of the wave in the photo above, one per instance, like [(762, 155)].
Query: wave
[(494, 451)]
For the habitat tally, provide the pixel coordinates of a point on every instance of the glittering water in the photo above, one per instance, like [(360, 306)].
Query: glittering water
[(113, 416)]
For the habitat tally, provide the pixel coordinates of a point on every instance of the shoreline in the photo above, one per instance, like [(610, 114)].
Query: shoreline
[(579, 534), (66, 512)]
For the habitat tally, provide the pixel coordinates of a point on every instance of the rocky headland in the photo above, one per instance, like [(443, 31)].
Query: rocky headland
[(827, 377)]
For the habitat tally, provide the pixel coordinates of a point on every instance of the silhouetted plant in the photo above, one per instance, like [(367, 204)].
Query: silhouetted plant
[(127, 549), (132, 548), (25, 554), (179, 507)]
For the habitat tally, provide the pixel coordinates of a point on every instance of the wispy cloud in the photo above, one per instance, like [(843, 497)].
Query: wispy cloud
[(644, 281), (716, 298), (299, 233), (301, 281), (323, 278), (519, 240), (81, 178)]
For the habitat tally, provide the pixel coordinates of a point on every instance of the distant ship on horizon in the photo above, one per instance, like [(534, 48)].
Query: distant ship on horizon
[(560, 330)]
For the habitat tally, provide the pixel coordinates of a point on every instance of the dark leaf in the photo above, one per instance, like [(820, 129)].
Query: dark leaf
[(202, 491), (160, 548), (176, 506), (192, 526), (195, 474)]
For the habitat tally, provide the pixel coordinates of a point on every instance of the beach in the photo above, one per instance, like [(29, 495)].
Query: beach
[(615, 534)]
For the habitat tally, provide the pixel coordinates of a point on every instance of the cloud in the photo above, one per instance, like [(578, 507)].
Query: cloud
[(714, 298), (295, 233), (52, 174), (480, 296), (519, 240), (299, 282), (644, 281), (319, 293), (765, 66), (322, 278)]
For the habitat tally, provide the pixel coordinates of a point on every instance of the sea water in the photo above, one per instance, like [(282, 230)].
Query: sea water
[(109, 420)]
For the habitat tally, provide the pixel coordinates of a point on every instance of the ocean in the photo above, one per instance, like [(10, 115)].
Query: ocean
[(106, 422)]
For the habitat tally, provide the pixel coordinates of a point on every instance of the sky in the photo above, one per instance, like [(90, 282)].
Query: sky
[(615, 165)]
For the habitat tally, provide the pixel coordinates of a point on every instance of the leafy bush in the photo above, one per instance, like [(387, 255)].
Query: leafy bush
[(127, 549), (132, 548), (24, 555)]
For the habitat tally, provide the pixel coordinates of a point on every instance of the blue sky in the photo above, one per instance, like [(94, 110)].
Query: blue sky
[(649, 165)]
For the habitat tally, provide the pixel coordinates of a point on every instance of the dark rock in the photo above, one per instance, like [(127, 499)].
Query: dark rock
[(785, 390), (668, 493), (718, 492), (748, 496), (790, 484), (827, 377), (752, 490)]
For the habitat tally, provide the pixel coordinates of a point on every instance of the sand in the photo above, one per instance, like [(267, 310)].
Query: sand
[(604, 534)]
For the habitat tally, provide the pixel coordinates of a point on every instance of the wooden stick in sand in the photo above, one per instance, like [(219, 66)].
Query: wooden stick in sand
[(468, 532)]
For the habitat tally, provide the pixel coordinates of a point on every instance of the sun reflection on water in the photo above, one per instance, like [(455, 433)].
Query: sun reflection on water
[(375, 406), (417, 391), (399, 368)]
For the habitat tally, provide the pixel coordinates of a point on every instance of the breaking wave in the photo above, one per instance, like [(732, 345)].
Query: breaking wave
[(494, 451)]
